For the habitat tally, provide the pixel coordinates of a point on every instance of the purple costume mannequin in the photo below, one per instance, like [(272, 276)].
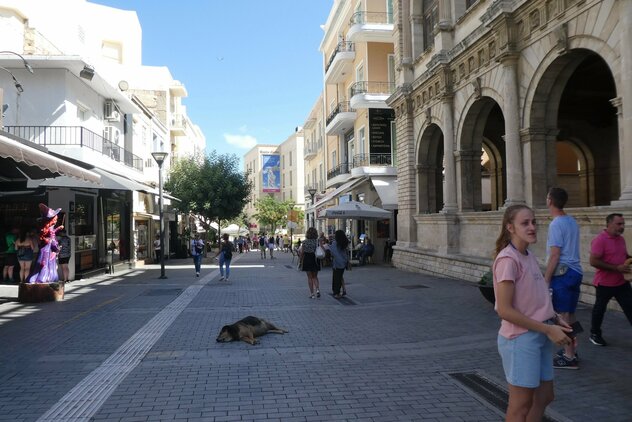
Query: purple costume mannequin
[(45, 270)]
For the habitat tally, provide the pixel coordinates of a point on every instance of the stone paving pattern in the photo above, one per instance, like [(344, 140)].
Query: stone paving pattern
[(387, 357)]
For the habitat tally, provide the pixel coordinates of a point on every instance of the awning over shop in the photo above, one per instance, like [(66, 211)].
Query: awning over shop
[(34, 161), (339, 190), (386, 188), (107, 181)]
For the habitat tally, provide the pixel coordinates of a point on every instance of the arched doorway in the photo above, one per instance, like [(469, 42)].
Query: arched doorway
[(481, 175), (430, 171), (571, 108)]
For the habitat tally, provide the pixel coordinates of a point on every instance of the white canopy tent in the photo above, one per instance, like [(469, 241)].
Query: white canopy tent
[(356, 211)]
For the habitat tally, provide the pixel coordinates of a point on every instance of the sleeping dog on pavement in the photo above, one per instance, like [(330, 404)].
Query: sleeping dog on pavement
[(247, 329)]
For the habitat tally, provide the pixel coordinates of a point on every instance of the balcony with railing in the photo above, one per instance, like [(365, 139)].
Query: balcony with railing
[(372, 165), (369, 94), (340, 62), (310, 151), (79, 137), (338, 175), (341, 119), (178, 124), (371, 27)]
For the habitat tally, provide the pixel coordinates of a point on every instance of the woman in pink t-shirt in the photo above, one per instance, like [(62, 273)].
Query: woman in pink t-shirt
[(529, 323)]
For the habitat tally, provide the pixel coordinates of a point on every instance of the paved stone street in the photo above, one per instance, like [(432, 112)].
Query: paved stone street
[(132, 347)]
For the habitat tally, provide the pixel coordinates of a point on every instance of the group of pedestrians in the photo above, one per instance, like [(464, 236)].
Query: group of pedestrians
[(538, 310), (309, 261), (20, 248), (224, 255)]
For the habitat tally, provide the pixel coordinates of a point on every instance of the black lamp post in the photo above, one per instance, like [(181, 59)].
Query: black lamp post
[(312, 192), (160, 158)]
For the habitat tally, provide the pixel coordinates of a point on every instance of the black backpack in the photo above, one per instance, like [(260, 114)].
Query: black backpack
[(228, 251)]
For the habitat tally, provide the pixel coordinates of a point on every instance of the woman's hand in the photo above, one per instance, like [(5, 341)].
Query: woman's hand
[(557, 334)]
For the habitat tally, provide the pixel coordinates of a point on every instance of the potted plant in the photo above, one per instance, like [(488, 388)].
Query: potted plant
[(486, 286)]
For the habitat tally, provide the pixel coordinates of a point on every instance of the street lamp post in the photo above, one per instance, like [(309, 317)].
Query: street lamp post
[(312, 192), (160, 158)]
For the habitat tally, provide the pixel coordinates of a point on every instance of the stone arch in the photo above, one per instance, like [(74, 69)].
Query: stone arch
[(493, 178), (579, 183), (570, 102), (482, 120), (430, 170)]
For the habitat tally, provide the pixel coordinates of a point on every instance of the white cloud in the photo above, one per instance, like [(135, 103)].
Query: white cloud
[(241, 141)]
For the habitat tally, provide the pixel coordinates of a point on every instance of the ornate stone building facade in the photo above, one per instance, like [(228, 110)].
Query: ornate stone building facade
[(497, 101)]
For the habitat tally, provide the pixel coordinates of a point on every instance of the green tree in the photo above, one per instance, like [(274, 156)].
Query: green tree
[(212, 187), (272, 212)]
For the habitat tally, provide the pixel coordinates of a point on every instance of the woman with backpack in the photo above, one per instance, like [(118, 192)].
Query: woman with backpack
[(197, 251), (225, 254)]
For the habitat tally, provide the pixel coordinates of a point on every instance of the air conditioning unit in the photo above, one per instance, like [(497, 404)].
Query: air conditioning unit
[(112, 134), (110, 113)]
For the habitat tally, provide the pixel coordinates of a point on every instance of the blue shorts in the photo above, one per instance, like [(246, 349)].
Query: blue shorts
[(566, 290), (527, 359)]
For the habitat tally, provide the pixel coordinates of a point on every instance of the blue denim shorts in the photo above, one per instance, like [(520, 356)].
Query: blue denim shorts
[(527, 359), (566, 290)]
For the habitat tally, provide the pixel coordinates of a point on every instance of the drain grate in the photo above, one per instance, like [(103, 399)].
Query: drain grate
[(488, 390), (163, 292), (413, 286)]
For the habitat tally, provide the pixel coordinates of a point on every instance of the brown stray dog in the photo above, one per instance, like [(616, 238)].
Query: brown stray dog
[(247, 329)]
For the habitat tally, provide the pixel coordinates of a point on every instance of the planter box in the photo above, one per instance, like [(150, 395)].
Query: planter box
[(40, 292), (488, 293)]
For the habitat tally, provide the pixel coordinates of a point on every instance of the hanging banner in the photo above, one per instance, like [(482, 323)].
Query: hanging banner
[(271, 173)]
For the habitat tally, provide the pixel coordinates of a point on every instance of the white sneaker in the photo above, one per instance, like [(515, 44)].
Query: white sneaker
[(197, 274), (227, 279)]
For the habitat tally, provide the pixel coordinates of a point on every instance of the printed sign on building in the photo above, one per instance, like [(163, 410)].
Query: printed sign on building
[(271, 173)]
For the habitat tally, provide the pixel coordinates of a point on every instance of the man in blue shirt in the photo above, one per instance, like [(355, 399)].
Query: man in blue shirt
[(563, 271)]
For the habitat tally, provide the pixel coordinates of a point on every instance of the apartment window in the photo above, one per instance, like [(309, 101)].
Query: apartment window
[(290, 160), (83, 112), (391, 68), (322, 177), (112, 51), (389, 11), (360, 73), (430, 19), (334, 159), (290, 178), (361, 140)]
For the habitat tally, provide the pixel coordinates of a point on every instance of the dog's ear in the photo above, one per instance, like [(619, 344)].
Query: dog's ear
[(233, 331)]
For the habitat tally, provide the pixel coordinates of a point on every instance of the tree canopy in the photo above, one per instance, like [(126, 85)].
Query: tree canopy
[(212, 186), (272, 212)]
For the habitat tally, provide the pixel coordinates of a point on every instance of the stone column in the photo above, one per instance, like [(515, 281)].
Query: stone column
[(468, 168), (513, 148), (540, 165), (625, 119), (449, 187)]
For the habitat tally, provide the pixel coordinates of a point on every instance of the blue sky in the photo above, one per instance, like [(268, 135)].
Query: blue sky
[(252, 68)]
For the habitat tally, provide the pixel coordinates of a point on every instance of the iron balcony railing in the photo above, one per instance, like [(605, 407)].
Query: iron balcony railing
[(342, 47), (361, 160), (342, 107), (362, 18), (76, 135), (368, 87), (338, 170)]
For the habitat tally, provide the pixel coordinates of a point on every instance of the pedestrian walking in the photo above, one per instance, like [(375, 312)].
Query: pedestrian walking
[(609, 255), (11, 259), (197, 252), (529, 325), (563, 271), (225, 254), (24, 246), (340, 255), (309, 263), (65, 251), (157, 249), (271, 246), (263, 245)]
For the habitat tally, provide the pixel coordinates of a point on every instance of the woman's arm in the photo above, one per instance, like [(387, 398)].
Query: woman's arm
[(505, 291)]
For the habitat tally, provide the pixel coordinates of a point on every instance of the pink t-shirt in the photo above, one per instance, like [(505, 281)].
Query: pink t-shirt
[(611, 250), (531, 293)]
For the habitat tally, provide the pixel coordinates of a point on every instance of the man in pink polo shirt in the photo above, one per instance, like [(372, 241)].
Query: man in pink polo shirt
[(608, 253)]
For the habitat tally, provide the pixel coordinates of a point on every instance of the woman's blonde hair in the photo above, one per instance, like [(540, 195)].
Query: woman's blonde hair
[(504, 238)]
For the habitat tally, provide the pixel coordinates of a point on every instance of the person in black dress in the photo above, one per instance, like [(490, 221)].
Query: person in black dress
[(309, 263)]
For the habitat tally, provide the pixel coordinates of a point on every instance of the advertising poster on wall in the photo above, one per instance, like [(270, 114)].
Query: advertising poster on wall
[(271, 173)]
